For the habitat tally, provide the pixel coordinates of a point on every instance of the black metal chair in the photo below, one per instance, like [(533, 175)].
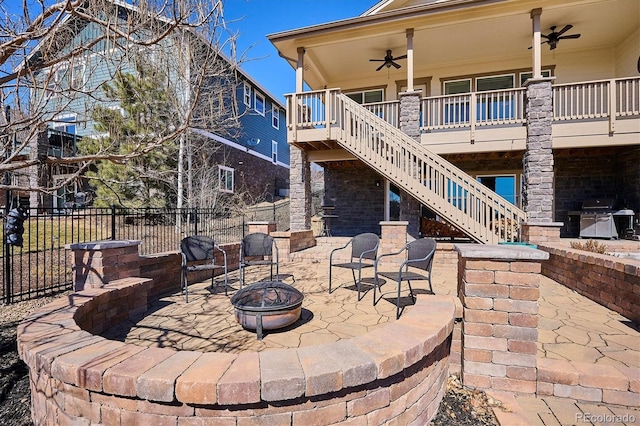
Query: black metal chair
[(199, 248), (418, 255), (364, 249), (258, 249)]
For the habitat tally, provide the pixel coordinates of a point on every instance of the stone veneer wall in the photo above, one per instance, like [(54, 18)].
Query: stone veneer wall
[(608, 280), (396, 373), (537, 176)]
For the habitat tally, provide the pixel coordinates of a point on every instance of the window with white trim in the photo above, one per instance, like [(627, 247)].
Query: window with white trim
[(367, 96), (65, 123), (259, 103), (247, 94), (274, 151), (275, 117), (226, 179), (524, 76)]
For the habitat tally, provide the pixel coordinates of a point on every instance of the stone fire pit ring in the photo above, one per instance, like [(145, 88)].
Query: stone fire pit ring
[(267, 305)]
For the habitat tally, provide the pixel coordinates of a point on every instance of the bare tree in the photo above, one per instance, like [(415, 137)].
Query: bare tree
[(51, 53)]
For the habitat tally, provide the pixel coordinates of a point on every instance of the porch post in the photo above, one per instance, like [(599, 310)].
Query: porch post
[(536, 47), (537, 186), (300, 71), (410, 124), (410, 60), (300, 190)]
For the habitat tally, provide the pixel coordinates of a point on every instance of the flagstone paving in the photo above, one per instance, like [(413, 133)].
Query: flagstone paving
[(571, 327)]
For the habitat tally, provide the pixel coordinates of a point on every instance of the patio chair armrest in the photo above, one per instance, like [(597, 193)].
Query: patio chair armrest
[(339, 248), (373, 250)]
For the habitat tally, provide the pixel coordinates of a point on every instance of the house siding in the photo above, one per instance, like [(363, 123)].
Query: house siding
[(255, 125)]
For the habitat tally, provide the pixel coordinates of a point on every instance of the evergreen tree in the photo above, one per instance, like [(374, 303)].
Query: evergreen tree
[(142, 165)]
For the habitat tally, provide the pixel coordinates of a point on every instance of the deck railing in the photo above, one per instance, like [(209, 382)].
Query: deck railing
[(389, 111), (494, 107), (604, 99), (448, 191)]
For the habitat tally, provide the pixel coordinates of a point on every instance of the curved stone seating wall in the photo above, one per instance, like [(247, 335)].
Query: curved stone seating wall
[(397, 372)]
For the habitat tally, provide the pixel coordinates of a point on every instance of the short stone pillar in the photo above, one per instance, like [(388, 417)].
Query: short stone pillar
[(540, 232), (262, 227), (100, 262), (393, 238), (499, 289)]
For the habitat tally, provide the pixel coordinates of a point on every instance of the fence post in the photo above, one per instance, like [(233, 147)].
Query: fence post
[(194, 212), (113, 222)]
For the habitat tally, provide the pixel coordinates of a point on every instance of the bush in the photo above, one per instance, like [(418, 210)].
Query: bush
[(591, 245)]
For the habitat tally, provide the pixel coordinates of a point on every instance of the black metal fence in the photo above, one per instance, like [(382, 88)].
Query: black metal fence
[(42, 266)]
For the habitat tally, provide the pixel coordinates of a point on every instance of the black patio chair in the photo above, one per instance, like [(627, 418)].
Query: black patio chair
[(418, 255), (258, 249), (364, 249), (196, 251)]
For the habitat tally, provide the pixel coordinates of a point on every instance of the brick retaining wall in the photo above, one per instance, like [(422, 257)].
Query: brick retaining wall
[(395, 373), (608, 280)]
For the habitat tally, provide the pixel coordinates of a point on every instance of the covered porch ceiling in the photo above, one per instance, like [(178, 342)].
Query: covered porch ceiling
[(451, 33)]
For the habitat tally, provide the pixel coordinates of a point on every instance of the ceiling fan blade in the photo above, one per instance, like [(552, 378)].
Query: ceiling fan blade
[(400, 57), (381, 66), (569, 36), (377, 60), (395, 65), (565, 29), (545, 36)]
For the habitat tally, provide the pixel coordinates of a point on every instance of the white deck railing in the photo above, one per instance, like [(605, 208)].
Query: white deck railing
[(389, 111), (448, 191), (604, 99)]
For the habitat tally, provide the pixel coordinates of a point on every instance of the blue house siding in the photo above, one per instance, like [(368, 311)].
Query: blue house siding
[(257, 126)]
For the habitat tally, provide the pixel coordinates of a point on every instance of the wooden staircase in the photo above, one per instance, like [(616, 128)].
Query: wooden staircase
[(449, 192)]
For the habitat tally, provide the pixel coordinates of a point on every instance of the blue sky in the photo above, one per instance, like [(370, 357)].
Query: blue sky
[(254, 19)]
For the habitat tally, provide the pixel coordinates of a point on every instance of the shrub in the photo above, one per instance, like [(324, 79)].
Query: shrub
[(591, 245)]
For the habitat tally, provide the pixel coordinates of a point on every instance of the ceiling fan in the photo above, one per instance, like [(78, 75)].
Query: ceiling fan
[(554, 37), (388, 61)]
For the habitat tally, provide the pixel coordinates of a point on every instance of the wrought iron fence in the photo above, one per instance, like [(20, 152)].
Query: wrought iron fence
[(42, 266)]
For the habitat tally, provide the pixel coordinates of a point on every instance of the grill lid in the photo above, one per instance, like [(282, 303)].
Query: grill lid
[(598, 204)]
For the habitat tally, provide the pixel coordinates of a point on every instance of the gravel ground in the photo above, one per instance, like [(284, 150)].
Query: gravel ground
[(459, 406)]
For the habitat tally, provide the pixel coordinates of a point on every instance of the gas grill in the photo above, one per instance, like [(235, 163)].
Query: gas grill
[(598, 219)]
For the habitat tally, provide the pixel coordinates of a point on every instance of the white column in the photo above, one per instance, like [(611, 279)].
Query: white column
[(300, 71), (536, 46), (410, 60)]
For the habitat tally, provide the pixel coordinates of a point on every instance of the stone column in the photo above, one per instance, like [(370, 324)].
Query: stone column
[(300, 190), (262, 227), (410, 124), (537, 186), (393, 238), (499, 289), (98, 263), (39, 174)]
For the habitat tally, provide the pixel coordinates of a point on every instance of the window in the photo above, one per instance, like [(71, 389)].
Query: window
[(259, 104), (275, 117), (247, 95), (367, 96), (524, 76), (226, 179), (503, 185), (65, 123), (498, 82), (457, 86), (274, 151)]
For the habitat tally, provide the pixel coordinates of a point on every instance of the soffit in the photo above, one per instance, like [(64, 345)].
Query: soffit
[(477, 32)]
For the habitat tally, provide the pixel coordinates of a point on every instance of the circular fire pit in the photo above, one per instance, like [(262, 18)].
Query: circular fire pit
[(267, 305)]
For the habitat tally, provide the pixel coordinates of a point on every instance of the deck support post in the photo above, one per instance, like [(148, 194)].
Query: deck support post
[(537, 182)]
